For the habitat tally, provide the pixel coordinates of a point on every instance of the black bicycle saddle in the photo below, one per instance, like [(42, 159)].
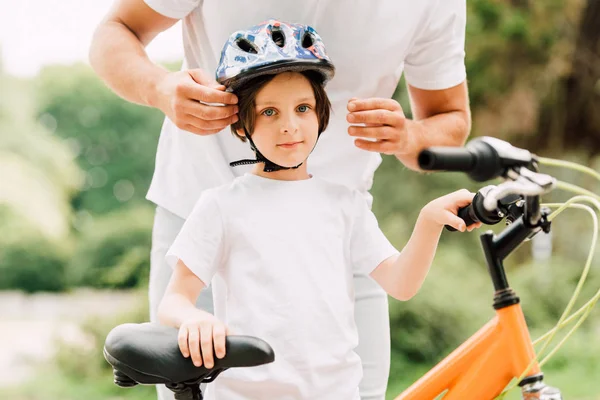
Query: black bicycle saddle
[(148, 353)]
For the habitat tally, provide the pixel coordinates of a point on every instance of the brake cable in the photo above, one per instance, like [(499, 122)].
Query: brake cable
[(586, 309)]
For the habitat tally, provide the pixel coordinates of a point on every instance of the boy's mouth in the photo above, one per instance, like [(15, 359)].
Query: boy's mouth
[(289, 145)]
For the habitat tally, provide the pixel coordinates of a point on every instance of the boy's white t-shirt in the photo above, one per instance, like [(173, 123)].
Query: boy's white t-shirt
[(371, 44), (280, 256)]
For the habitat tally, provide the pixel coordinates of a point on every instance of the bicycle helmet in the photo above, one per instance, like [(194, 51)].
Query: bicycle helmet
[(271, 47)]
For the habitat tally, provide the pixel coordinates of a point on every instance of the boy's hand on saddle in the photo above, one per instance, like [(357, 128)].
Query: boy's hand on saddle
[(198, 335), (195, 102), (383, 126), (444, 210)]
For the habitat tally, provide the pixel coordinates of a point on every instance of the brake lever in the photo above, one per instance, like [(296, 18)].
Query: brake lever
[(524, 186)]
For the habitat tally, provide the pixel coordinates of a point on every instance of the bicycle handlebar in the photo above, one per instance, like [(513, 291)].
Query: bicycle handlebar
[(487, 158), (477, 211), (447, 158), (482, 159)]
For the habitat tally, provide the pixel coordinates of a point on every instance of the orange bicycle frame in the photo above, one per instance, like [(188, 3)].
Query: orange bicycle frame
[(502, 350), (482, 366)]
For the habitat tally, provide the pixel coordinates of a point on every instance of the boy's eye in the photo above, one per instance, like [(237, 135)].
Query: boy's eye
[(269, 112), (303, 108)]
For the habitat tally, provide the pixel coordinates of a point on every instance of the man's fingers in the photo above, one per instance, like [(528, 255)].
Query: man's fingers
[(200, 123), (201, 77), (206, 343), (209, 95), (206, 89), (373, 104), (197, 131), (207, 112), (379, 146), (381, 117), (377, 132), (203, 128)]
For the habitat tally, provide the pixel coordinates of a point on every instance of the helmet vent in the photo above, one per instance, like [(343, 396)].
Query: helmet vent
[(246, 45), (278, 36), (307, 40)]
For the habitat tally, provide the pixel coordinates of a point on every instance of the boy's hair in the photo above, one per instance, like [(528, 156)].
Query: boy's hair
[(247, 96)]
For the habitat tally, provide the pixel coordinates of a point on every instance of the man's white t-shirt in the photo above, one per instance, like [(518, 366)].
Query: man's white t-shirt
[(370, 42), (280, 255)]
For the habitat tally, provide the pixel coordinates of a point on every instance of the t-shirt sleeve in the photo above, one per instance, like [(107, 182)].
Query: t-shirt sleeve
[(368, 245), (437, 58), (200, 243), (173, 8)]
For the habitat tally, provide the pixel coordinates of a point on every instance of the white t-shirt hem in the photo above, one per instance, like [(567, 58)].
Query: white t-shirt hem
[(442, 83), (188, 257), (170, 11), (379, 257)]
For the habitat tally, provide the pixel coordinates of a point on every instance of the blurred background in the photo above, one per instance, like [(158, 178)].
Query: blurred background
[(76, 161)]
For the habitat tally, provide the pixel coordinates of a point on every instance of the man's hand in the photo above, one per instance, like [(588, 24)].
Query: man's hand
[(385, 127), (440, 118), (192, 100)]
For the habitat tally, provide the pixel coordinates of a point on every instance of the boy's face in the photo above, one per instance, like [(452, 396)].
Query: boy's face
[(286, 125)]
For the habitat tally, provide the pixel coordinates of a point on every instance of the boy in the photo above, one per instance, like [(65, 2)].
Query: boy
[(279, 245)]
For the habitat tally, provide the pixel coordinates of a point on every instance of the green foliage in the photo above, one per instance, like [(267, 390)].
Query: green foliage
[(79, 370), (39, 176), (115, 140), (113, 250), (400, 193), (452, 304), (29, 261), (85, 361), (545, 289)]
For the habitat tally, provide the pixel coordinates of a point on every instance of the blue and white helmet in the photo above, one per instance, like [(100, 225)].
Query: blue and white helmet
[(270, 48)]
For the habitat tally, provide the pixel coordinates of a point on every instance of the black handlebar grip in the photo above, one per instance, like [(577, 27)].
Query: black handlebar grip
[(446, 159), (467, 214), (476, 212)]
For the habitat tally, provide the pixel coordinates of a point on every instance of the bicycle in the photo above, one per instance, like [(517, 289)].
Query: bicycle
[(501, 351)]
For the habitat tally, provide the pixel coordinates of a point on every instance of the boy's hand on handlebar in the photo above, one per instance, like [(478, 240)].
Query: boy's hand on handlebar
[(198, 335), (188, 99), (444, 210)]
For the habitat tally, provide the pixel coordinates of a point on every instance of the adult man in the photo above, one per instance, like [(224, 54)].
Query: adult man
[(371, 44)]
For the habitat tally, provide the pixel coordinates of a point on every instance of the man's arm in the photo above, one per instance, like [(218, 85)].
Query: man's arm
[(440, 118), (118, 56)]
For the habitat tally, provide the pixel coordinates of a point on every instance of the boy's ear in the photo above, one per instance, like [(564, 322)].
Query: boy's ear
[(240, 133)]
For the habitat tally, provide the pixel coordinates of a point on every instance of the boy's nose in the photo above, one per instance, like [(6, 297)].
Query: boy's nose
[(289, 126)]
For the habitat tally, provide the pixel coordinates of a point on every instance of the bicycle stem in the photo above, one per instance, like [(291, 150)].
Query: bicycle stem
[(497, 247)]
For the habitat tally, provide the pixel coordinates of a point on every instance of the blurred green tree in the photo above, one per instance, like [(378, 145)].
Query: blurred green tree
[(115, 141)]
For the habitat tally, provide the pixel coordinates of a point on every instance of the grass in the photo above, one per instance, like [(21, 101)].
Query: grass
[(56, 385)]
